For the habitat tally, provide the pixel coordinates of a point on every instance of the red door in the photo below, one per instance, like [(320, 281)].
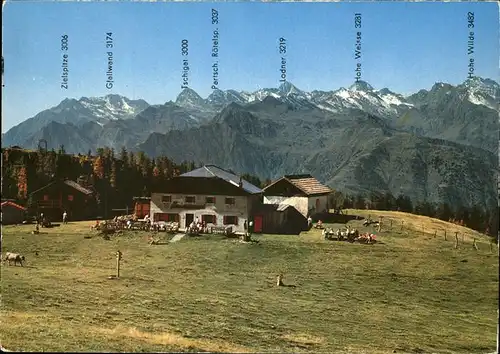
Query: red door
[(257, 227)]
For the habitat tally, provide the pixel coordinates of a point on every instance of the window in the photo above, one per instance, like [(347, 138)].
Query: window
[(166, 199), (45, 197), (165, 217), (230, 220), (209, 219), (160, 217), (173, 217), (190, 199), (210, 200), (230, 201), (70, 197)]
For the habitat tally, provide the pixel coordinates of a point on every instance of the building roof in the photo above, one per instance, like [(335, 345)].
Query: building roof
[(9, 203), (78, 187), (209, 186), (306, 183), (212, 171), (69, 183)]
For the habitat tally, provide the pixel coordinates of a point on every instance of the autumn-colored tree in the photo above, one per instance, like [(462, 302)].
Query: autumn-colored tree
[(22, 183), (156, 172), (99, 167)]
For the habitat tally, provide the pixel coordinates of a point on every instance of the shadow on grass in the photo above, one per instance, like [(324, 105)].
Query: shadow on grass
[(20, 267), (51, 226), (160, 243)]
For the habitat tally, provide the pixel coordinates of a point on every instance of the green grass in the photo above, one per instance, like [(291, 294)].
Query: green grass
[(407, 293)]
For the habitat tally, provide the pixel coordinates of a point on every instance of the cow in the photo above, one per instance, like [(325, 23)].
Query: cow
[(9, 256)]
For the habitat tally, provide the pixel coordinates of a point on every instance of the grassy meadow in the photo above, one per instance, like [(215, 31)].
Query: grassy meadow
[(409, 293)]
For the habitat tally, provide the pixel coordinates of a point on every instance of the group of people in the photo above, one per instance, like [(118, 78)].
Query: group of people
[(197, 226)]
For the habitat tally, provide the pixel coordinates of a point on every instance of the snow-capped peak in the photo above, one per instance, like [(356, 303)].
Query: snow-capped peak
[(484, 86), (392, 98), (189, 97), (112, 107), (288, 88), (361, 86), (219, 97)]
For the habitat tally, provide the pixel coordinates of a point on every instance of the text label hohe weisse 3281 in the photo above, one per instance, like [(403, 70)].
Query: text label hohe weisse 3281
[(357, 47)]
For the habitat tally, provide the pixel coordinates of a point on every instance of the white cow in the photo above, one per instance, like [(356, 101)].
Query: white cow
[(9, 256)]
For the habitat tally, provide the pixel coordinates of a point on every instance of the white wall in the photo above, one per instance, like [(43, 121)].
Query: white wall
[(303, 204), (300, 203), (219, 209), (323, 203)]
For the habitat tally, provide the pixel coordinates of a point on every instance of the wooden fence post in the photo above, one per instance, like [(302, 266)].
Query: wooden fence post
[(435, 233), (474, 244), (391, 224), (402, 223), (456, 240), (445, 234), (279, 280), (463, 237), (118, 258)]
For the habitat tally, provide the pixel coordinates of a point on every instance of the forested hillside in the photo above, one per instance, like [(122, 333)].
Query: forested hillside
[(118, 177)]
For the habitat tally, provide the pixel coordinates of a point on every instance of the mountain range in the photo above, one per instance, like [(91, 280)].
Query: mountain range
[(437, 145)]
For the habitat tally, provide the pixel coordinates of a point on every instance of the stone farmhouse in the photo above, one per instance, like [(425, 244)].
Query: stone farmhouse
[(304, 192), (209, 194)]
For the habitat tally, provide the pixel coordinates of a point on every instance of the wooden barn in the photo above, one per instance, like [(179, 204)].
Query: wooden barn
[(304, 192), (279, 219), (63, 195), (142, 206), (12, 213)]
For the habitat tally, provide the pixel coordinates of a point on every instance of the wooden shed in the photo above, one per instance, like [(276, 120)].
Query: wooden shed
[(63, 195), (12, 213), (279, 219)]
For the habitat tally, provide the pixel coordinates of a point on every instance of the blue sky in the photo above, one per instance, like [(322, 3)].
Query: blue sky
[(405, 47)]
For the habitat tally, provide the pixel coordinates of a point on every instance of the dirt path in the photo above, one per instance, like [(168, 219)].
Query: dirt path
[(177, 237)]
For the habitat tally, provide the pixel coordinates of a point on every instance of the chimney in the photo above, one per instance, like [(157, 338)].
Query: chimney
[(241, 182)]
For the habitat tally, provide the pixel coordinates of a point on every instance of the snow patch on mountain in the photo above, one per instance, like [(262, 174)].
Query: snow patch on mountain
[(479, 100), (111, 107)]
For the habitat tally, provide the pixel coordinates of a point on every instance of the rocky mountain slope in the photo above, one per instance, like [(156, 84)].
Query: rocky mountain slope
[(437, 144), (353, 151), (76, 113), (467, 113)]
